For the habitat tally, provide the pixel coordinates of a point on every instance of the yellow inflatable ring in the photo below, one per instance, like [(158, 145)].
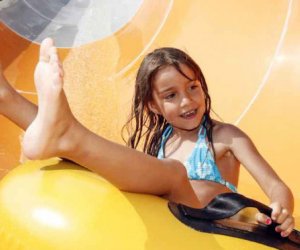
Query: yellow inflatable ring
[(58, 205)]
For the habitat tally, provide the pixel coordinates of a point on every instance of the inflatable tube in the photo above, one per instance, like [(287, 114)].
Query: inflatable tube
[(54, 205)]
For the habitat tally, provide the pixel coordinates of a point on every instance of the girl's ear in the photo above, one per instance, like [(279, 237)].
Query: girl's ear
[(153, 107)]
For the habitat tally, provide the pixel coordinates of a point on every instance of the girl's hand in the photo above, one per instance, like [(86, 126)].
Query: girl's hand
[(281, 216)]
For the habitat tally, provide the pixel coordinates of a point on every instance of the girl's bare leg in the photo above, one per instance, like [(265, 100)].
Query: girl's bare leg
[(55, 132), (14, 106)]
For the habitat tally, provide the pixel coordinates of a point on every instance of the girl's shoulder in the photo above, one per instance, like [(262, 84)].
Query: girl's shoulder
[(224, 131)]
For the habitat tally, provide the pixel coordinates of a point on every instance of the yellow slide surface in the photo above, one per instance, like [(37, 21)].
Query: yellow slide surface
[(249, 52)]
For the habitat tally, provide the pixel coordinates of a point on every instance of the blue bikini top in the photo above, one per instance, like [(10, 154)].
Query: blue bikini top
[(201, 164)]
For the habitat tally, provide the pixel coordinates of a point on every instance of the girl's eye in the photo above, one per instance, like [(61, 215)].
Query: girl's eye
[(194, 86), (169, 97)]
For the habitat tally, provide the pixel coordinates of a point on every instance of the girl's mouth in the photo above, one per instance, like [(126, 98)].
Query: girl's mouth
[(190, 114)]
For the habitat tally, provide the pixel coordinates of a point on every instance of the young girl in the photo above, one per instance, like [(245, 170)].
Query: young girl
[(190, 157)]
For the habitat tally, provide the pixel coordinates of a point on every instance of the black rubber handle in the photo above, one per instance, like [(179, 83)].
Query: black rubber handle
[(224, 206)]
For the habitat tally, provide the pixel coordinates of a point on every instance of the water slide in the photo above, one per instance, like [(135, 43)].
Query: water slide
[(249, 52)]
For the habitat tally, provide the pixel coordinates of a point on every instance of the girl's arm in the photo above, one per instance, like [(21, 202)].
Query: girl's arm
[(281, 198)]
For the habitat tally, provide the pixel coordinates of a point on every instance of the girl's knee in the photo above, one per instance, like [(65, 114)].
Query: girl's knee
[(181, 177), (181, 190), (178, 173)]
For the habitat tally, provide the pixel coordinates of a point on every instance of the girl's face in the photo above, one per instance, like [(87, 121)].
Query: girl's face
[(179, 100)]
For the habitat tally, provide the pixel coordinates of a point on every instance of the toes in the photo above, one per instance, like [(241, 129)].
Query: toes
[(53, 56), (55, 61), (48, 54), (46, 45)]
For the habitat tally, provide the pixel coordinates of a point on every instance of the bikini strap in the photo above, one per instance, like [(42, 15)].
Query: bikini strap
[(165, 136), (203, 139)]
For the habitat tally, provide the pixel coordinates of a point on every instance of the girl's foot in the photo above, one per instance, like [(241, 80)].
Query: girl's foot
[(48, 134)]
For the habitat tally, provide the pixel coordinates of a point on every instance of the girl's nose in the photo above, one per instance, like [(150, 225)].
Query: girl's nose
[(185, 100)]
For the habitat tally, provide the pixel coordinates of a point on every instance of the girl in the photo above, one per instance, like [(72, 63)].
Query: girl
[(190, 157)]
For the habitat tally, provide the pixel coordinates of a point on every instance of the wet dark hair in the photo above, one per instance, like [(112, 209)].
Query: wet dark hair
[(145, 125)]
